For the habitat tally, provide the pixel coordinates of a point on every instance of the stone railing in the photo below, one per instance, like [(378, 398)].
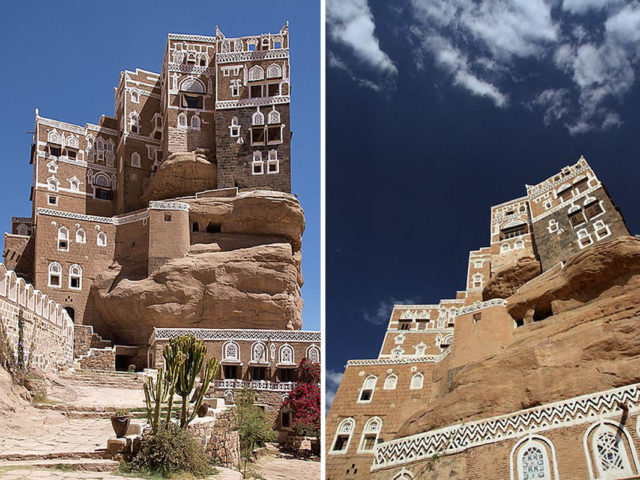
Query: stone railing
[(233, 384), (47, 330)]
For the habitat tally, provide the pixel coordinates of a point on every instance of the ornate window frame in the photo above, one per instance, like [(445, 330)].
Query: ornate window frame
[(225, 352), (55, 270), (369, 385), (63, 236), (313, 351), (75, 272), (544, 445), (391, 382), (372, 427), (81, 236), (624, 440), (345, 428), (101, 239), (417, 381)]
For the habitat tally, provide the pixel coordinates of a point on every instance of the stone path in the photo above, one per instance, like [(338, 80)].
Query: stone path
[(281, 468), (9, 473), (61, 435)]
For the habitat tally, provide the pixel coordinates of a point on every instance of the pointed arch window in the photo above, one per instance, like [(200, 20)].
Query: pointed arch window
[(273, 117), (75, 277), (55, 275), (230, 352), (367, 390), (134, 122), (342, 439), (101, 239), (274, 71), (135, 97), (390, 382), (234, 128), (182, 121), (313, 354), (417, 381), (286, 355), (135, 160), (257, 118), (259, 353), (81, 236), (370, 434), (256, 73), (63, 239), (195, 122)]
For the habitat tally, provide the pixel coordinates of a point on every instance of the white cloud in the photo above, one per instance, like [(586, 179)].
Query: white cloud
[(381, 314), (332, 382), (480, 45), (351, 23)]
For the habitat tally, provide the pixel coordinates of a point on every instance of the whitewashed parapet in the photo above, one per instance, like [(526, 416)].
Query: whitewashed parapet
[(458, 438), (234, 384), (237, 334), (476, 307), (47, 326), (161, 205)]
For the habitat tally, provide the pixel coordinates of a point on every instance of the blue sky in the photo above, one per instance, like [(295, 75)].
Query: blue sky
[(65, 59), (438, 110)]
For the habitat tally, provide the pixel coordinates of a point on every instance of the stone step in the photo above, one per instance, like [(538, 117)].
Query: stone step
[(78, 464), (100, 454)]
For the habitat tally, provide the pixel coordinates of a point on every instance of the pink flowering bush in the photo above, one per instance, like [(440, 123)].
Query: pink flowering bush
[(304, 400)]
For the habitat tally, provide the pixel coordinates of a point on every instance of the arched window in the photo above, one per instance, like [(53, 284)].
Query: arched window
[(75, 277), (390, 382), (203, 59), (370, 434), (100, 144), (71, 312), (182, 121), (533, 458), (22, 229), (231, 352), (505, 247), (257, 165), (343, 436), (274, 116), (63, 239), (259, 353), (101, 239), (257, 119), (54, 137), (195, 122), (52, 184), (313, 354), (404, 474), (274, 71), (135, 159), (519, 244), (81, 236), (417, 381), (368, 387), (610, 452), (74, 184), (396, 353), (102, 180), (135, 96), (234, 128), (72, 141), (256, 73), (134, 122), (420, 348), (478, 281), (192, 85), (286, 355), (55, 275)]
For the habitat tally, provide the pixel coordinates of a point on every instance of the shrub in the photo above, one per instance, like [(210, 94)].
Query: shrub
[(171, 451), (304, 400)]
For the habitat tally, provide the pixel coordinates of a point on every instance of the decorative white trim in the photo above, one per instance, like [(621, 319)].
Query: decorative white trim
[(460, 437), (252, 102), (237, 334), (160, 205), (281, 53), (345, 427), (543, 444), (373, 426), (592, 450)]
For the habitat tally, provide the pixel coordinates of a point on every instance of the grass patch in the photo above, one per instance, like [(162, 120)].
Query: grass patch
[(44, 400), (65, 467)]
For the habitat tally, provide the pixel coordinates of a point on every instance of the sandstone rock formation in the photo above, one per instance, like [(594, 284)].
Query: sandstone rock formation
[(589, 343), (182, 174), (505, 282), (245, 274)]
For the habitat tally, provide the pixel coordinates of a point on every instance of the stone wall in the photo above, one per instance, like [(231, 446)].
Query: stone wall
[(99, 359), (47, 331), (219, 436)]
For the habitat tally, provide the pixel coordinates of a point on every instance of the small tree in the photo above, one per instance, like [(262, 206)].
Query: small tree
[(304, 400), (254, 428)]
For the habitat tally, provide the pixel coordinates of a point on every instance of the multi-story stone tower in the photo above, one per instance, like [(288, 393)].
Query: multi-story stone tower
[(444, 397)]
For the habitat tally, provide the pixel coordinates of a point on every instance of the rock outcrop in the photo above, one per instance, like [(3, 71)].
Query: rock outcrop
[(589, 342), (505, 282), (183, 173), (244, 273)]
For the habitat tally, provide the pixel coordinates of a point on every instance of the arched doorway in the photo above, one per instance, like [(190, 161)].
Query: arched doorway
[(71, 312)]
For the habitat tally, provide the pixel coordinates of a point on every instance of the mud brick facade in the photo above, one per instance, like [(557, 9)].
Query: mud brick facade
[(425, 346), (219, 110)]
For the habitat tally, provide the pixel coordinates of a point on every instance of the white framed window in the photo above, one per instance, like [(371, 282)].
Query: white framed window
[(81, 236), (234, 128), (552, 226), (134, 122), (259, 353), (74, 184), (55, 275), (273, 164), (182, 120), (342, 439), (274, 71), (257, 118), (63, 239), (256, 73), (390, 382), (420, 349), (257, 165), (368, 387), (52, 167), (584, 238), (135, 160), (417, 381), (505, 247), (75, 277), (610, 453), (519, 244), (533, 458), (135, 97), (313, 354), (235, 87), (286, 355), (195, 122), (477, 264), (52, 200), (399, 339), (273, 117), (601, 229), (231, 352), (396, 353), (477, 281), (53, 184), (101, 239), (370, 434)]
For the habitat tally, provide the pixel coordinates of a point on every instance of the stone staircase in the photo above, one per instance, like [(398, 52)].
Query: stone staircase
[(104, 378)]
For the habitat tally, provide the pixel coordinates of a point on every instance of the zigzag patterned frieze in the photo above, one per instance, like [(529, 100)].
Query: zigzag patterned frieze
[(232, 334), (135, 217), (252, 102), (160, 205), (399, 361), (457, 438), (194, 38), (495, 302)]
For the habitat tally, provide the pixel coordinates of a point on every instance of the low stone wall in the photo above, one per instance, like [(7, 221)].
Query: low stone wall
[(219, 436), (99, 359), (47, 330)]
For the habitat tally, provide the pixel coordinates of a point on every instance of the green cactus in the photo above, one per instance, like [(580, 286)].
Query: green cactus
[(156, 393), (194, 353)]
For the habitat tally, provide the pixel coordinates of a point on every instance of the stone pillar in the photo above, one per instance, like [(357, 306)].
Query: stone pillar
[(168, 232)]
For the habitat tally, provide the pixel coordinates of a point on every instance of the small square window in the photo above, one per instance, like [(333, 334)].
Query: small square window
[(252, 47), (274, 89), (257, 136), (274, 134), (75, 282), (52, 200), (167, 217), (54, 280), (255, 91), (54, 151), (63, 245)]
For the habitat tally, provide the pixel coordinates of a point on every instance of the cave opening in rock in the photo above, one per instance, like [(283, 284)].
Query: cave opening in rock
[(541, 312), (195, 227), (214, 227)]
